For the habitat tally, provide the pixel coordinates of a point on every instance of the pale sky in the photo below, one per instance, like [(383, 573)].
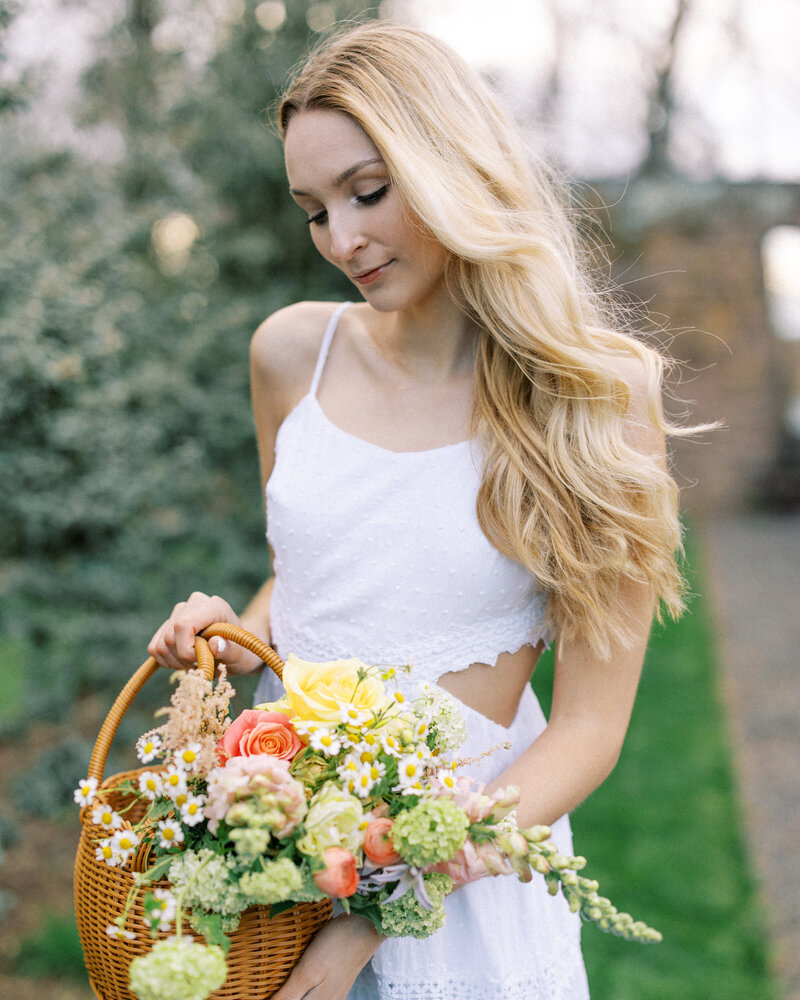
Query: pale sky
[(738, 74)]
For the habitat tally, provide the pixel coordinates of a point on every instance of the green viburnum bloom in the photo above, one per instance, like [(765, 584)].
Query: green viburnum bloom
[(406, 918), (250, 844), (280, 880), (207, 882), (432, 831), (178, 968)]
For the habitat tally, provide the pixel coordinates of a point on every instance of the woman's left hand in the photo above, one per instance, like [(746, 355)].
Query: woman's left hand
[(333, 960)]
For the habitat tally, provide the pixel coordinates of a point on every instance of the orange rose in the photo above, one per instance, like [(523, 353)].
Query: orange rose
[(339, 877), (255, 732), (378, 845)]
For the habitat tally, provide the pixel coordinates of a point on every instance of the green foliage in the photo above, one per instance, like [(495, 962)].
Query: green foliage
[(128, 474), (53, 952), (663, 836)]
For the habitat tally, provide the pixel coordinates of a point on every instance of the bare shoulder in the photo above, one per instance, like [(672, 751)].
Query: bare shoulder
[(285, 348)]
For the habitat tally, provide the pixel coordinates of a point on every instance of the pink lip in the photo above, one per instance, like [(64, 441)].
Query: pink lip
[(367, 277)]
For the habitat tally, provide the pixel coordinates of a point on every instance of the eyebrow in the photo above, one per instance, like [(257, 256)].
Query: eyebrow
[(345, 175)]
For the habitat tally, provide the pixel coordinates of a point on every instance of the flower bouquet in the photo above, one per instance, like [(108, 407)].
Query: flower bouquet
[(346, 789)]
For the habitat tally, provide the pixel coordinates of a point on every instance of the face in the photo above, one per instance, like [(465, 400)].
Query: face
[(336, 175)]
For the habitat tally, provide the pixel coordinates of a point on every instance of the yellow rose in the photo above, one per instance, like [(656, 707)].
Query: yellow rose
[(316, 692)]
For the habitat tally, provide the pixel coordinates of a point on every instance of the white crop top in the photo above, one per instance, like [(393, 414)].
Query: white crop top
[(379, 555)]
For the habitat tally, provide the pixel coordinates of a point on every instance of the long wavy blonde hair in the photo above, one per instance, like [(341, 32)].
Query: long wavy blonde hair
[(563, 490)]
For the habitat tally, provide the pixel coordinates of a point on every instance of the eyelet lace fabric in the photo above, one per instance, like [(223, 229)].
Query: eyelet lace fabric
[(379, 555)]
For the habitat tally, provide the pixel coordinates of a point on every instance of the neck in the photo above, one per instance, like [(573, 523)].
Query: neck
[(431, 341)]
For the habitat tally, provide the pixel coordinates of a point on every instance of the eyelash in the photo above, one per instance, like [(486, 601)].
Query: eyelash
[(365, 199)]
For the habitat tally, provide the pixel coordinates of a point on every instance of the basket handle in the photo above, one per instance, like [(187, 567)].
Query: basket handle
[(205, 662)]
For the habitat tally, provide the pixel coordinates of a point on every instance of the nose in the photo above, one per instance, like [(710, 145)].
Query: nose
[(346, 238)]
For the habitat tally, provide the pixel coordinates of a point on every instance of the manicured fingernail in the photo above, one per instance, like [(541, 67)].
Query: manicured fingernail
[(221, 646)]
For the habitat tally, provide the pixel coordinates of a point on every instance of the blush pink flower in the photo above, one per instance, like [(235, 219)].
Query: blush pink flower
[(263, 777), (339, 877), (378, 845), (256, 732), (474, 862), (476, 803)]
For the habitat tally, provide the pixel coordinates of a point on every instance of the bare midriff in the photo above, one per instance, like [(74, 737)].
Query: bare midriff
[(494, 691)]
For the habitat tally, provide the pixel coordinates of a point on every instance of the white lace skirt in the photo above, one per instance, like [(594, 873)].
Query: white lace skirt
[(503, 939)]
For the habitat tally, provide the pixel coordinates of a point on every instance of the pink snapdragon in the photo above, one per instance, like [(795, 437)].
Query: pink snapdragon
[(477, 804), (475, 861)]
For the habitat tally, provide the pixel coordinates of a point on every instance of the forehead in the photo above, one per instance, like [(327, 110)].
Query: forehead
[(320, 145)]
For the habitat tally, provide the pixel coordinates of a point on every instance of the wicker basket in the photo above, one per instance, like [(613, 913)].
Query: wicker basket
[(263, 951)]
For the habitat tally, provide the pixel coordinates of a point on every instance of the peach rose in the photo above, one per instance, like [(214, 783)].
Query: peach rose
[(255, 732), (339, 877), (378, 845)]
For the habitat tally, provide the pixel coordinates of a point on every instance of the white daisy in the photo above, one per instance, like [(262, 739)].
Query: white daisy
[(391, 745), (446, 778), (362, 781), (410, 770), (124, 842), (192, 810), (171, 832), (103, 815), (150, 784), (352, 716), (161, 910), (173, 782), (105, 852), (326, 741), (85, 792), (148, 747), (186, 759), (119, 933)]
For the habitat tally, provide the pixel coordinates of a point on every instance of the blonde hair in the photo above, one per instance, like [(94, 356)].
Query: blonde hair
[(562, 491)]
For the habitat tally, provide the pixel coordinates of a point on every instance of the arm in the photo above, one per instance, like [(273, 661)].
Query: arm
[(592, 704), (592, 698)]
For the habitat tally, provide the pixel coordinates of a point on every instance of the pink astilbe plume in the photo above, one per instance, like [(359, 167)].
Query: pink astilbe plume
[(198, 713)]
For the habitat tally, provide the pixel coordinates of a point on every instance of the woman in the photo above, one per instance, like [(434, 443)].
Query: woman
[(459, 469)]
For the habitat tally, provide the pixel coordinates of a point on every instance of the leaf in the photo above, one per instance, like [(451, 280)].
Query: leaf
[(210, 926)]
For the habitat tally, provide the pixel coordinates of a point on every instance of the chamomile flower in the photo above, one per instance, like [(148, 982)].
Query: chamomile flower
[(119, 933), (171, 832), (186, 759), (148, 747), (362, 781), (447, 779), (105, 852), (124, 842), (173, 782), (103, 815), (159, 909), (150, 784), (390, 744), (326, 741), (410, 770), (353, 716), (192, 810), (85, 792)]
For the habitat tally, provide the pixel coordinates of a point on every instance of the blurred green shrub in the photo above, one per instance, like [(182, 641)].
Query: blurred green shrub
[(128, 470)]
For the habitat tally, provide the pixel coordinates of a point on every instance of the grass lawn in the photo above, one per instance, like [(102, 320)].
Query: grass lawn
[(663, 836)]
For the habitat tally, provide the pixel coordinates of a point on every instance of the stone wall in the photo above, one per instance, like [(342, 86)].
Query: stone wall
[(692, 253)]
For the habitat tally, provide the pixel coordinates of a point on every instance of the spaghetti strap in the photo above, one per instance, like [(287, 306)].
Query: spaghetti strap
[(327, 339)]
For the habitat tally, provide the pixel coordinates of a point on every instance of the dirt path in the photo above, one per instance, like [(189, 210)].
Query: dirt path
[(752, 569)]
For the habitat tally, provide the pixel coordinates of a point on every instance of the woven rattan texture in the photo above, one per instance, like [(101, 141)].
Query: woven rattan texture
[(263, 952)]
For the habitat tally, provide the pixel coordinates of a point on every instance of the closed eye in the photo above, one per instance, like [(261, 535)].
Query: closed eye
[(362, 199), (373, 197)]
